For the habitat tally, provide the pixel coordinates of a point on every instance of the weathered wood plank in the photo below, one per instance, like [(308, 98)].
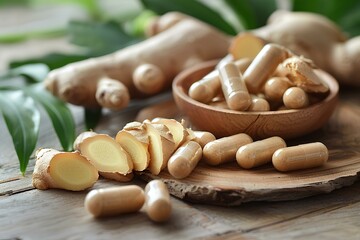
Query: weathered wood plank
[(61, 214)]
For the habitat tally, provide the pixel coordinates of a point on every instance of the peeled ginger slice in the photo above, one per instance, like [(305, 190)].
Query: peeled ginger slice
[(63, 170), (104, 152)]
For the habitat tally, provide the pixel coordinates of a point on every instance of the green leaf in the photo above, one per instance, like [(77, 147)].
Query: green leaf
[(263, 10), (99, 38), (344, 13), (252, 13), (53, 61), (23, 120), (92, 117), (139, 24), (244, 12), (32, 72), (31, 34), (192, 8), (60, 115)]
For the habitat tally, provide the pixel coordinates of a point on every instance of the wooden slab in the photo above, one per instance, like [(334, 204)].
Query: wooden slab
[(230, 185)]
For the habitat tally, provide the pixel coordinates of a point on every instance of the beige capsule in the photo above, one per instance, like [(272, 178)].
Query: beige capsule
[(114, 200), (184, 160), (258, 153), (263, 66), (235, 92), (300, 157), (203, 137), (258, 104), (224, 149), (157, 201), (295, 98), (207, 88), (275, 88)]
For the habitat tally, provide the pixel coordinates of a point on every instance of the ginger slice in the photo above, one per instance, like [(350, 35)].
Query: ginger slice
[(300, 71), (162, 146), (103, 152), (134, 139), (63, 170), (176, 128), (117, 176), (246, 45)]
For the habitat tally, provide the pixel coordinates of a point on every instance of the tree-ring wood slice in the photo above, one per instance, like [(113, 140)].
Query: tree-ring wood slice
[(229, 185)]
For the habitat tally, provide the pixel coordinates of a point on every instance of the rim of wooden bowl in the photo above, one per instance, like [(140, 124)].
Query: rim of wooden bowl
[(181, 90)]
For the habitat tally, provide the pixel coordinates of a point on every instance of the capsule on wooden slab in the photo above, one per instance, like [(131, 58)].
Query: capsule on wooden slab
[(114, 200), (203, 137), (295, 98), (275, 88), (224, 149), (300, 157), (258, 104), (258, 153), (263, 66), (157, 201), (184, 160), (235, 92)]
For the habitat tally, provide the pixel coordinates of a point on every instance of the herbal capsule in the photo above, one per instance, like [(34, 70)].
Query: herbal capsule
[(235, 92), (275, 88), (207, 88), (258, 153), (295, 98), (224, 149), (300, 157), (203, 137), (114, 200), (263, 66), (258, 104), (184, 160), (157, 201)]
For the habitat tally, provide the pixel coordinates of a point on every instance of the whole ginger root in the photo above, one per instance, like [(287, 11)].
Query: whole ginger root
[(177, 41), (312, 36)]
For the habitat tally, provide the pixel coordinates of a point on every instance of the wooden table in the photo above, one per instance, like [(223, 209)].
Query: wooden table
[(28, 213)]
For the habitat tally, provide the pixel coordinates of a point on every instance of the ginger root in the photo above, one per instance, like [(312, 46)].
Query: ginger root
[(310, 35), (162, 146), (142, 69), (176, 128), (63, 170), (104, 153), (135, 140)]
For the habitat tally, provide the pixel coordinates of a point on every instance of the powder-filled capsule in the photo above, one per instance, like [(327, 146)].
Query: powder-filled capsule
[(157, 201), (295, 98), (114, 200), (224, 149), (275, 88), (258, 104), (258, 153), (184, 160), (300, 157), (207, 88), (235, 92), (203, 137), (263, 66)]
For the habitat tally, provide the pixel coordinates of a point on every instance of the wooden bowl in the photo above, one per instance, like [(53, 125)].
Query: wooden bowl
[(222, 122)]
